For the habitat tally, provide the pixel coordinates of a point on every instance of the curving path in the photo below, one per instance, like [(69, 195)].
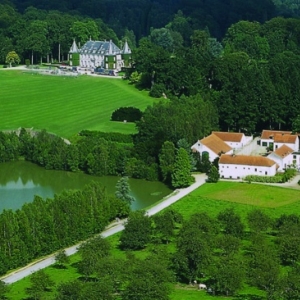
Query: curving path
[(110, 230)]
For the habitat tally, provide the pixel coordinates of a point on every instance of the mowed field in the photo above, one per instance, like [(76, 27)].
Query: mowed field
[(65, 105), (243, 197)]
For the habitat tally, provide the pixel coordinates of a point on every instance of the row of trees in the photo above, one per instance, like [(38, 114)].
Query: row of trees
[(141, 16), (46, 225), (100, 154)]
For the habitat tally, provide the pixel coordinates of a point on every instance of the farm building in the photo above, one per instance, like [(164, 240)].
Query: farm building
[(100, 54), (267, 137), (235, 140), (239, 166), (283, 156), (290, 140), (212, 146)]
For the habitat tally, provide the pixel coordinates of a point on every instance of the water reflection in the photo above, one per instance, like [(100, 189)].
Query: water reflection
[(21, 180)]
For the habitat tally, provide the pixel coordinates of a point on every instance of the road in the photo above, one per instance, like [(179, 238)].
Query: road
[(110, 230)]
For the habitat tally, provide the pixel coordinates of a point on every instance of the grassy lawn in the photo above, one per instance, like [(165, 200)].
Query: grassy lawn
[(65, 105), (213, 198)]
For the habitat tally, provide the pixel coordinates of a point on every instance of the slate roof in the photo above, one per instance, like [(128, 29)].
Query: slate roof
[(100, 47), (215, 144), (126, 48), (229, 136), (247, 160), (74, 48), (269, 134), (283, 151)]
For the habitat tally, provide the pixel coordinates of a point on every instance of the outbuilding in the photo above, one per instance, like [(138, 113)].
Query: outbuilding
[(239, 166)]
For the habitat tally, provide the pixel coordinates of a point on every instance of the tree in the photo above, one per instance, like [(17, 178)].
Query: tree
[(195, 244), (213, 175), (150, 279), (227, 275), (181, 176), (258, 221), (162, 37), (61, 258), (123, 190), (137, 231), (166, 160), (164, 225), (263, 267), (91, 252), (3, 290), (40, 283), (83, 31), (231, 222), (12, 58)]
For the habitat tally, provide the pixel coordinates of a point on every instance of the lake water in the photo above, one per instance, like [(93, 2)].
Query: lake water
[(21, 180)]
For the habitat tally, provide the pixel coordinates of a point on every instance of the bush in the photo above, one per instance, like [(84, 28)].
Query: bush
[(279, 178), (130, 114), (157, 90), (27, 62), (108, 136), (265, 179)]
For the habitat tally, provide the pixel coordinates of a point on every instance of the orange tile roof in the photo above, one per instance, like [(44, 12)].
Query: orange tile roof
[(229, 136), (246, 160), (283, 151), (215, 144), (267, 134), (289, 139)]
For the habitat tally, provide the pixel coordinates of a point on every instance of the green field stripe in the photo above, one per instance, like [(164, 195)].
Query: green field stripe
[(65, 105)]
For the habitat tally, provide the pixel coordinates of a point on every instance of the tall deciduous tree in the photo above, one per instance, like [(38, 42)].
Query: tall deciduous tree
[(137, 231), (231, 222), (166, 160), (83, 31), (40, 283), (181, 176)]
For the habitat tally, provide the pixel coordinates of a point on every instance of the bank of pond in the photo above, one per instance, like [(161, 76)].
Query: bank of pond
[(45, 210), (20, 181)]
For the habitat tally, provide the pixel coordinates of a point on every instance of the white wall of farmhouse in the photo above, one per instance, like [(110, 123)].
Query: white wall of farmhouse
[(294, 146), (239, 145), (203, 149), (240, 171), (282, 162)]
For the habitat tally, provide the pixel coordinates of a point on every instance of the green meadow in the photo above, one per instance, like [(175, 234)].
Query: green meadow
[(65, 105), (210, 198)]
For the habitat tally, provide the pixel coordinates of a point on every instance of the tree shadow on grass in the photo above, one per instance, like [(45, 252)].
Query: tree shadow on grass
[(249, 297), (87, 279), (59, 267)]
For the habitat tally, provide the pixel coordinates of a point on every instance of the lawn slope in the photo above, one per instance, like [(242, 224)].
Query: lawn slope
[(65, 105)]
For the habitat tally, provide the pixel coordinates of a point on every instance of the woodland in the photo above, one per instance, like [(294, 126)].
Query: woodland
[(223, 65)]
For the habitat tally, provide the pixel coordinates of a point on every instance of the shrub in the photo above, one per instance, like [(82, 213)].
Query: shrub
[(130, 114), (108, 136), (157, 90), (27, 62)]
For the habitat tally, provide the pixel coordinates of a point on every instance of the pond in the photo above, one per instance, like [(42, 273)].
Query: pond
[(21, 180)]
